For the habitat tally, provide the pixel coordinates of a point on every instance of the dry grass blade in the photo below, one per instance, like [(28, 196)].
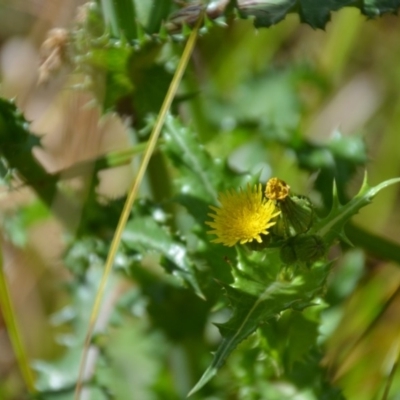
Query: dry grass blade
[(132, 196)]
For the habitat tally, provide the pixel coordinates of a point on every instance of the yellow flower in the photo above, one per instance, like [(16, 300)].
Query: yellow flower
[(243, 216)]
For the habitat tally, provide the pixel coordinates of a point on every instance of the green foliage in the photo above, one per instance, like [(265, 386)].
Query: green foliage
[(331, 226), (102, 57), (174, 296), (292, 290), (251, 311), (144, 235), (312, 12), (269, 12), (16, 145), (200, 174)]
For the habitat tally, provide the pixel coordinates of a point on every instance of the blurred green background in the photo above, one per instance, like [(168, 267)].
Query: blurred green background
[(289, 101)]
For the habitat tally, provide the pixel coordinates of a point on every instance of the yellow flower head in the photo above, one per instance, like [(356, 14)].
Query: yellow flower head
[(277, 189), (243, 216)]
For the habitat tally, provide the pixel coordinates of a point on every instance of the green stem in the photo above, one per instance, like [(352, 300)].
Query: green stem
[(377, 245), (110, 16), (14, 332), (120, 17)]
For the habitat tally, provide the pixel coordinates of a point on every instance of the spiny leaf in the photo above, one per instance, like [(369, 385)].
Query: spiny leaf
[(316, 13), (250, 311), (332, 225), (338, 159), (16, 145), (113, 60), (125, 13), (105, 59), (144, 234), (255, 270), (265, 12), (147, 77), (159, 12), (104, 56), (200, 173), (375, 8)]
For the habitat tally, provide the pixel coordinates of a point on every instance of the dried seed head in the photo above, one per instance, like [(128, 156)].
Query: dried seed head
[(52, 53)]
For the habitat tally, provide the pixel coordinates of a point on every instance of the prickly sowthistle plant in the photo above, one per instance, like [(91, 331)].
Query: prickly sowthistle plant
[(294, 250), (225, 241)]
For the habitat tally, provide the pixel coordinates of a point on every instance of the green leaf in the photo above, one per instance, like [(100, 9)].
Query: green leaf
[(299, 333), (250, 311), (121, 17), (337, 160), (113, 60), (144, 234), (56, 378), (200, 174), (142, 361), (254, 270), (103, 56), (382, 248), (158, 12), (256, 296), (109, 60), (16, 145), (315, 13), (375, 8), (332, 225), (16, 226), (84, 253), (149, 78), (265, 12)]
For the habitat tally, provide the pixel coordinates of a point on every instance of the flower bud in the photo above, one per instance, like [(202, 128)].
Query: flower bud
[(309, 248), (302, 249), (297, 212), (288, 254)]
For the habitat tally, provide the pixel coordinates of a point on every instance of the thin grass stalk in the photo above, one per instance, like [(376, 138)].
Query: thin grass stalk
[(183, 62), (392, 373), (14, 331)]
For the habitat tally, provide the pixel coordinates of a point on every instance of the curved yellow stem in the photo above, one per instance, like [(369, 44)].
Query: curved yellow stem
[(132, 196), (13, 331)]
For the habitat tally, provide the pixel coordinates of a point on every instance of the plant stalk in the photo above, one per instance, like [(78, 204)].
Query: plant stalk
[(14, 331), (132, 196)]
